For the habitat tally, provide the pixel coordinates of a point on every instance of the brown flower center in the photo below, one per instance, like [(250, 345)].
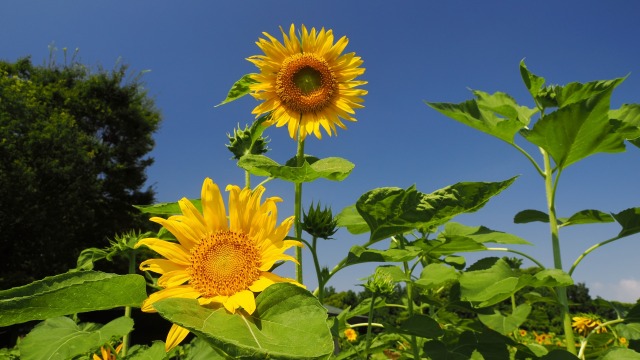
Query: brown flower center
[(224, 263), (305, 83)]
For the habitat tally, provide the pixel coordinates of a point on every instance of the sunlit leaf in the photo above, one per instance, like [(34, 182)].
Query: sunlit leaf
[(481, 234), (626, 121), (506, 324), (352, 220), (61, 338), (70, 293), (332, 168), (288, 323), (580, 127), (239, 89), (391, 211), (533, 82), (495, 114), (436, 275), (629, 331)]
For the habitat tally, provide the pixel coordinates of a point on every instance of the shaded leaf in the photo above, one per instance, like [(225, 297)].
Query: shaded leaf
[(288, 323), (629, 331), (391, 211), (586, 217), (332, 168), (629, 219), (70, 293), (143, 352), (620, 354), (626, 122), (359, 255), (239, 89), (418, 325), (442, 247), (61, 338), (529, 215)]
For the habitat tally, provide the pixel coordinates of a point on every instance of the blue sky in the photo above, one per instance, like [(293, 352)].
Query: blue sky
[(413, 51)]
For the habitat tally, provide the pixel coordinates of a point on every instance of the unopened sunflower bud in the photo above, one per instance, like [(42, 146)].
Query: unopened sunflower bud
[(380, 283), (242, 143), (319, 222)]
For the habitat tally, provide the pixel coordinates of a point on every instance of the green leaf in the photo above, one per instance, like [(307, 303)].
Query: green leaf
[(497, 114), (620, 354), (351, 219), (586, 217), (418, 325), (359, 255), (391, 211), (633, 316), (70, 293), (88, 256), (580, 127), (439, 247), (200, 350), (332, 168), (288, 323), (629, 331), (533, 82), (167, 209), (480, 234), (506, 324), (239, 89), (153, 352), (436, 275), (529, 215), (394, 272), (559, 355), (629, 219), (61, 338), (626, 122)]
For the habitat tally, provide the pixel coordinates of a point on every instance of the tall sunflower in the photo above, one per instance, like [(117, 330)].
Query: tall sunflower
[(307, 82), (219, 261)]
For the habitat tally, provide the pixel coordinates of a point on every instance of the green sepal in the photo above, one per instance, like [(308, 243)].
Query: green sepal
[(239, 89), (288, 323), (70, 293), (332, 168), (60, 338)]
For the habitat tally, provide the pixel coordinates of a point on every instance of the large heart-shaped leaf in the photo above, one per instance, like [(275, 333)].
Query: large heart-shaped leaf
[(288, 323), (61, 338), (391, 211), (506, 324), (70, 293)]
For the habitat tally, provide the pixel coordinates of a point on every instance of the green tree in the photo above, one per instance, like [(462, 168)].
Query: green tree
[(74, 145)]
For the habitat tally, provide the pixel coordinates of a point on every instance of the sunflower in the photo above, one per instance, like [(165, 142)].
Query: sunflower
[(351, 334), (219, 261), (306, 81), (585, 323), (107, 354)]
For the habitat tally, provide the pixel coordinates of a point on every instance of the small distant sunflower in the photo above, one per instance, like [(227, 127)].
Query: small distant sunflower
[(351, 334), (307, 82), (585, 323), (107, 354), (219, 261)]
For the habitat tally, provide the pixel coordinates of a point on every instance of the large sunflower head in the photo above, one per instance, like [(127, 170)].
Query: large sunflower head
[(307, 82), (219, 260)]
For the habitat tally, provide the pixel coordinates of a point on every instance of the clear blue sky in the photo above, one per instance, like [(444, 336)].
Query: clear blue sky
[(413, 51)]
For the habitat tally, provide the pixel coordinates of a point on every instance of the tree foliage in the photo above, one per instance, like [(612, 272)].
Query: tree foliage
[(74, 145)]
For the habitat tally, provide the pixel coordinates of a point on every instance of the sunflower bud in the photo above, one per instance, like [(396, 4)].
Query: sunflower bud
[(242, 142), (319, 222), (380, 283)]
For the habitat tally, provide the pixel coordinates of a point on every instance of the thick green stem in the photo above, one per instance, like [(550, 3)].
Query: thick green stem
[(127, 309), (407, 272), (561, 291), (247, 179), (298, 207)]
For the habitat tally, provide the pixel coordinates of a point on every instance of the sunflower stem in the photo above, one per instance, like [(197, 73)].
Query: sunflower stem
[(369, 322), (247, 179), (298, 206), (127, 309), (561, 291), (318, 270), (410, 308)]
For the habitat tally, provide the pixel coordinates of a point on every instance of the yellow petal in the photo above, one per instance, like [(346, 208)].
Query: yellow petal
[(173, 278), (183, 291), (160, 266), (175, 337), (171, 251), (244, 299), (215, 214)]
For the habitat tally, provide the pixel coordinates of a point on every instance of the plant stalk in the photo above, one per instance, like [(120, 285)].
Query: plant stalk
[(407, 272), (127, 309), (298, 206), (550, 189), (369, 321), (313, 248)]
